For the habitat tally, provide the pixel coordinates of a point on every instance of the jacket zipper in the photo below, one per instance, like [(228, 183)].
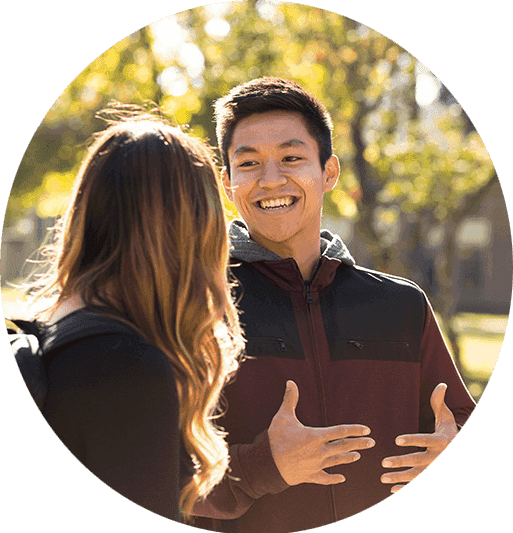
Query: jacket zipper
[(309, 301), (359, 345), (309, 297)]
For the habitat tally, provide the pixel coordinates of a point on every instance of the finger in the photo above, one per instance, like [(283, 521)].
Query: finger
[(422, 440), (290, 398), (341, 459), (342, 431), (404, 476), (438, 402), (444, 419), (412, 459), (349, 445), (323, 478), (396, 488)]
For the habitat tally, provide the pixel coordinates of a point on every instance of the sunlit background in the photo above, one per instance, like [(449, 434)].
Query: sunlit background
[(418, 194)]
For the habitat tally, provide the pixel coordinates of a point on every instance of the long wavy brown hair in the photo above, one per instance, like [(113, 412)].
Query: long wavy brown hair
[(145, 241)]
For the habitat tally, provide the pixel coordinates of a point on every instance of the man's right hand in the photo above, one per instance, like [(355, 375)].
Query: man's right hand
[(302, 453)]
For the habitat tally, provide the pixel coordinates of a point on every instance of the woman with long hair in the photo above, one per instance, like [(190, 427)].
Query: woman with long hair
[(143, 243)]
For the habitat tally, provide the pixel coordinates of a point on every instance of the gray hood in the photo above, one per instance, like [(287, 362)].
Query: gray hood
[(246, 249)]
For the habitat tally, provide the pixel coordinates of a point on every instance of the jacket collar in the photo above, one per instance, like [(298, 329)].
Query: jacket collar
[(246, 249)]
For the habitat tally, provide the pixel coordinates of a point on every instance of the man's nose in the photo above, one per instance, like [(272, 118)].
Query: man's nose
[(272, 177)]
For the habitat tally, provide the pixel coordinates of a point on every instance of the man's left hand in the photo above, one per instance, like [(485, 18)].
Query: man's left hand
[(435, 443)]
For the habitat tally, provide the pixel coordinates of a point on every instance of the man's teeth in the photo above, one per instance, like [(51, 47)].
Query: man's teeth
[(276, 203)]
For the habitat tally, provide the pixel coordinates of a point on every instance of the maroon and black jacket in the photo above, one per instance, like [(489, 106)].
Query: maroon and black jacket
[(362, 346)]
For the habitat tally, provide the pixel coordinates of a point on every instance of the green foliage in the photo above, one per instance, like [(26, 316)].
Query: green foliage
[(434, 175), (184, 63)]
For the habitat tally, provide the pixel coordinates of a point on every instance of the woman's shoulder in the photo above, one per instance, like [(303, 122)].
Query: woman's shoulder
[(89, 344)]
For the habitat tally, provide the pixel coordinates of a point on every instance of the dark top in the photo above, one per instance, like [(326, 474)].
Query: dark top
[(112, 400)]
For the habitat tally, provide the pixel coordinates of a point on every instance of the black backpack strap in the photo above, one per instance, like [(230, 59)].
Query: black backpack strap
[(26, 326), (31, 339), (25, 345), (80, 325)]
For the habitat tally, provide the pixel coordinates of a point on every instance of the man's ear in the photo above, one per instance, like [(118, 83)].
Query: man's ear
[(227, 184), (331, 173)]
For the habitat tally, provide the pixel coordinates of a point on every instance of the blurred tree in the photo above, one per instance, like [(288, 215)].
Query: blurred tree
[(403, 172), (126, 72)]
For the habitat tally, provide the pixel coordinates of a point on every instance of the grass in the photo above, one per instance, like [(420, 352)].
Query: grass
[(479, 354), (480, 339)]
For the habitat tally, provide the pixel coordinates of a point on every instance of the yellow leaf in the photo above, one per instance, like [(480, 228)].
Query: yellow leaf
[(371, 153), (349, 55)]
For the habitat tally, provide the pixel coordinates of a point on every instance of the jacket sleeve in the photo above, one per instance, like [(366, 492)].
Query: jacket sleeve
[(438, 367), (252, 474)]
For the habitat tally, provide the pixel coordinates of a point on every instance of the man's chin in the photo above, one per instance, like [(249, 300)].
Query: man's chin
[(272, 239)]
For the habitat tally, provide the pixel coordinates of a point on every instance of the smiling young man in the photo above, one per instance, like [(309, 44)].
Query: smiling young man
[(369, 384), (279, 183)]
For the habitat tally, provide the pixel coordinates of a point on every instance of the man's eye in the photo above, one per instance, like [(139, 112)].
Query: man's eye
[(247, 164), (291, 158)]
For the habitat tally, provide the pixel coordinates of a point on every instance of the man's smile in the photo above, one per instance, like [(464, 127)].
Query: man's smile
[(271, 204)]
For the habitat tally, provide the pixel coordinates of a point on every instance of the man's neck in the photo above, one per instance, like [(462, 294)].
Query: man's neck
[(306, 253), (307, 265)]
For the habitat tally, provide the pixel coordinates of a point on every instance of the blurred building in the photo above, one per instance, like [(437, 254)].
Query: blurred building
[(482, 266), (484, 269)]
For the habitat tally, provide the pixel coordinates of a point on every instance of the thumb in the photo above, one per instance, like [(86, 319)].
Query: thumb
[(440, 409), (290, 398)]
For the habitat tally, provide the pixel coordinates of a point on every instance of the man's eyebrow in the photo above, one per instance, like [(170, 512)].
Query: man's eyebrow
[(291, 143), (243, 149)]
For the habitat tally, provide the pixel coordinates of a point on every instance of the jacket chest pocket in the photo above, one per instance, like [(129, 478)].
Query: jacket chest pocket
[(376, 350), (272, 347)]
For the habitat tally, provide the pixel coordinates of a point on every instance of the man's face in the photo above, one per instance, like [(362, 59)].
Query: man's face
[(277, 183)]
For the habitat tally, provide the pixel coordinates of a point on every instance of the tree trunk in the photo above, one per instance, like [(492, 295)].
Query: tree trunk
[(445, 303)]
